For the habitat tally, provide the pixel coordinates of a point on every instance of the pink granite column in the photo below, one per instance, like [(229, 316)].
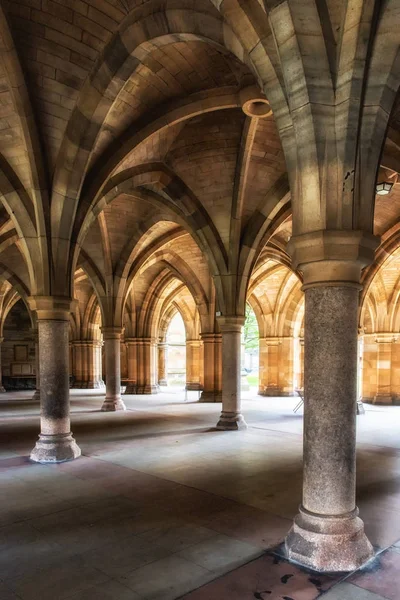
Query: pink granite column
[(55, 443), (231, 417), (112, 347), (327, 534)]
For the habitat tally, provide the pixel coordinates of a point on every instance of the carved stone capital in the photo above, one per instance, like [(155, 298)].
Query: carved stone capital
[(331, 257)]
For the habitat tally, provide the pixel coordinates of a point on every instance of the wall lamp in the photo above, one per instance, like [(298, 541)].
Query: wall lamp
[(384, 188)]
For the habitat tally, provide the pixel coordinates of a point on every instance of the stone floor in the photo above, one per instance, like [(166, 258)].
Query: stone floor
[(161, 506)]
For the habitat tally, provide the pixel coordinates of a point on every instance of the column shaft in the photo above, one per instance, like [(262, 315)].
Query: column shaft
[(1, 372), (212, 368), (55, 443), (231, 417), (131, 354), (112, 346), (36, 395), (327, 534), (147, 366), (193, 364), (163, 363)]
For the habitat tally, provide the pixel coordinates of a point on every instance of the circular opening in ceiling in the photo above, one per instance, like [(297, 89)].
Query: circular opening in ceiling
[(257, 108)]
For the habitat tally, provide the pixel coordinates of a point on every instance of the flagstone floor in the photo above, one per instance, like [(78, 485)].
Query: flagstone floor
[(162, 506)]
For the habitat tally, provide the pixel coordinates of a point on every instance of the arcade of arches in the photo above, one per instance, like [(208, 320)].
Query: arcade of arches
[(195, 157)]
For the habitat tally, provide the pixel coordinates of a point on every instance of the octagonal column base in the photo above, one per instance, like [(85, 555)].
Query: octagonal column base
[(210, 396), (231, 421), (112, 405), (328, 543), (56, 448)]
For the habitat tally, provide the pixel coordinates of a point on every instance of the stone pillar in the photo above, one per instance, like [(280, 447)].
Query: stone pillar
[(1, 373), (99, 363), (147, 366), (369, 368), (231, 417), (327, 534), (300, 376), (55, 443), (162, 363), (112, 347), (212, 368), (269, 374), (384, 369), (36, 395), (276, 366), (193, 348), (86, 366), (77, 364), (131, 355), (381, 361)]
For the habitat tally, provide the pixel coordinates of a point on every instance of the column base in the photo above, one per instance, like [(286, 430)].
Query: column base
[(56, 448), (131, 388), (210, 396), (145, 390), (328, 543), (36, 396), (112, 405), (192, 387), (2, 389), (162, 382), (88, 385), (275, 392), (383, 399), (231, 422)]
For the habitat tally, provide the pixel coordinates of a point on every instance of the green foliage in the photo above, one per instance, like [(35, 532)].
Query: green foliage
[(250, 330)]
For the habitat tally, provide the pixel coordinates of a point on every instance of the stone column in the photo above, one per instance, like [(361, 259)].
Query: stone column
[(36, 395), (384, 369), (131, 355), (55, 443), (77, 366), (193, 364), (99, 363), (162, 363), (150, 366), (231, 417), (112, 347), (269, 350), (327, 534), (211, 368), (147, 366), (300, 377), (1, 372)]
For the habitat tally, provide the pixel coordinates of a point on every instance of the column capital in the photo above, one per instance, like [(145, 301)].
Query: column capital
[(131, 341), (385, 337), (111, 333), (332, 257), (231, 323), (193, 342), (52, 308), (272, 341), (210, 337)]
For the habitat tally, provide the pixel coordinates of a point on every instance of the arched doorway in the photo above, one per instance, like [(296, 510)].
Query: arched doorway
[(176, 352)]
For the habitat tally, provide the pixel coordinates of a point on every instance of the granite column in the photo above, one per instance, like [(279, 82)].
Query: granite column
[(327, 534), (55, 443)]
